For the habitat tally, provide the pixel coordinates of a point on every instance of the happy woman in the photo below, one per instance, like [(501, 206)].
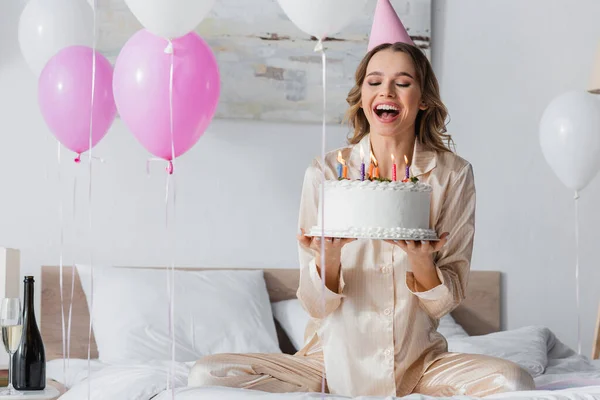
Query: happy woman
[(377, 334)]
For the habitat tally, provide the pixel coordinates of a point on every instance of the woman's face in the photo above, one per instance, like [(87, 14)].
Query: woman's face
[(391, 97)]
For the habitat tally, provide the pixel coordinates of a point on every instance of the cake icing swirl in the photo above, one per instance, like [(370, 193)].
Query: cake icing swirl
[(377, 233), (379, 185)]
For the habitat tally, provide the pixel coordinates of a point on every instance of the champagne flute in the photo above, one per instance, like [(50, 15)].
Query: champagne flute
[(11, 321)]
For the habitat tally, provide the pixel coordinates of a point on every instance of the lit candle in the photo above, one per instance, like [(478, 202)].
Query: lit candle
[(371, 166), (362, 164), (342, 167), (376, 169), (407, 170), (393, 168)]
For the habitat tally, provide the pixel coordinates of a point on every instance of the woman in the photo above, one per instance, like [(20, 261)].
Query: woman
[(374, 330)]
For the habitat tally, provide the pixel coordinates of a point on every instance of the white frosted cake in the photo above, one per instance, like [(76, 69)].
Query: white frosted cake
[(376, 210)]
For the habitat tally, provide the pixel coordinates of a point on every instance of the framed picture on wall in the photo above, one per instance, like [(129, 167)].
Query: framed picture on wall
[(269, 71)]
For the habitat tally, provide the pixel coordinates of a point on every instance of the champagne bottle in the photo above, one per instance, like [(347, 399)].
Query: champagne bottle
[(29, 361)]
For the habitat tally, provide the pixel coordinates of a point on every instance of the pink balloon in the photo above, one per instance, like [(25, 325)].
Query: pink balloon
[(141, 87), (65, 97)]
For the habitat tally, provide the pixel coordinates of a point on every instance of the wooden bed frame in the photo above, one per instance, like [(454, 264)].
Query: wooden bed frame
[(479, 314), (596, 342)]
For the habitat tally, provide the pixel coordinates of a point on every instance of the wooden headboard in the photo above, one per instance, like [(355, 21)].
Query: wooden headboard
[(479, 314)]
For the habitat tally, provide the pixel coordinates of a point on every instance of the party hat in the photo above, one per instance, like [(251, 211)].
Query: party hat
[(387, 27)]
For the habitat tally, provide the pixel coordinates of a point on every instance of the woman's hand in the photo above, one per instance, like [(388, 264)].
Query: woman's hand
[(333, 248), (420, 258), (421, 249), (333, 256)]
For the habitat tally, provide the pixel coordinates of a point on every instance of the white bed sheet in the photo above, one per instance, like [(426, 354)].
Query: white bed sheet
[(566, 376)]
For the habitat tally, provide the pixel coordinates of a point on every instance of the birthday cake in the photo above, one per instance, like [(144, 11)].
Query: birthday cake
[(375, 209)]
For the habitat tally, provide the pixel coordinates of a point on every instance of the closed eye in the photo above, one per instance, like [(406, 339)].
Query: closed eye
[(404, 85)]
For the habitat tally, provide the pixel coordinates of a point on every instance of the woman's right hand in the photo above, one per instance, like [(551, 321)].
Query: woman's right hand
[(333, 255)]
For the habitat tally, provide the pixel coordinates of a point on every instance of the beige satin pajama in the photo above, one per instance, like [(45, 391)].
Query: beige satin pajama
[(452, 374), (377, 335)]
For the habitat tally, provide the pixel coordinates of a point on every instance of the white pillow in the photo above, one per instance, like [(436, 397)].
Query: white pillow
[(218, 311), (526, 346), (293, 320)]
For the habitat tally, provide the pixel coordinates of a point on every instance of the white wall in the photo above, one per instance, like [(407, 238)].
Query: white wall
[(499, 63)]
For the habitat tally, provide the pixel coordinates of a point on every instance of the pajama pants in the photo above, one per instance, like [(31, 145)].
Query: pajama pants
[(451, 374)]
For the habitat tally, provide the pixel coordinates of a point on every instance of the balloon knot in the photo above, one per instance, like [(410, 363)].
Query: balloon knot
[(576, 195), (319, 46), (169, 48), (170, 168), (78, 158)]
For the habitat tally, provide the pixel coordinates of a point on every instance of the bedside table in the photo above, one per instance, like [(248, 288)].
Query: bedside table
[(52, 391)]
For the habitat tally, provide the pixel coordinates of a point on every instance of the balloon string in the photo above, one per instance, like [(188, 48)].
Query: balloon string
[(171, 104), (170, 227), (319, 48), (70, 313), (61, 262), (90, 198), (72, 278), (577, 273)]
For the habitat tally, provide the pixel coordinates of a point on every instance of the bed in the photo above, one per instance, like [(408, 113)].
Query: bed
[(474, 327)]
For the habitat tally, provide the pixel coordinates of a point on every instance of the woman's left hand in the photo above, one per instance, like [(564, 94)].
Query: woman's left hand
[(421, 249), (420, 257)]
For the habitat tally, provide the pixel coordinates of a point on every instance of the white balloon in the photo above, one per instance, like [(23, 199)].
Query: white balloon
[(48, 26), (170, 18), (570, 138), (322, 18)]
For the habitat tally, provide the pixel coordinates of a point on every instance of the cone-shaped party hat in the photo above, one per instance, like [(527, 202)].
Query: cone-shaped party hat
[(387, 27)]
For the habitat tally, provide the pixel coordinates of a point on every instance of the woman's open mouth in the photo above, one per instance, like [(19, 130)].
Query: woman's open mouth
[(386, 112)]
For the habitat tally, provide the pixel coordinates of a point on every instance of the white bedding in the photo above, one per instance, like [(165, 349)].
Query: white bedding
[(565, 374), (131, 322)]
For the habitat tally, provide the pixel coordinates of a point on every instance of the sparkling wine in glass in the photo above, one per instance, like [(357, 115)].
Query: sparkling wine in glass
[(11, 320)]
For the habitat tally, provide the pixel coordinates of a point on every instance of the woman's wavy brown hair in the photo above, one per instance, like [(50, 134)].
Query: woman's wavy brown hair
[(430, 125)]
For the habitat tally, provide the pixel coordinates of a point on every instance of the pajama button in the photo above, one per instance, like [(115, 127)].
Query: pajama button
[(387, 311), (385, 269), (388, 352)]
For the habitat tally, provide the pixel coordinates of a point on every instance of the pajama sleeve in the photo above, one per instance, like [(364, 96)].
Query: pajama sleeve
[(318, 300), (453, 261)]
